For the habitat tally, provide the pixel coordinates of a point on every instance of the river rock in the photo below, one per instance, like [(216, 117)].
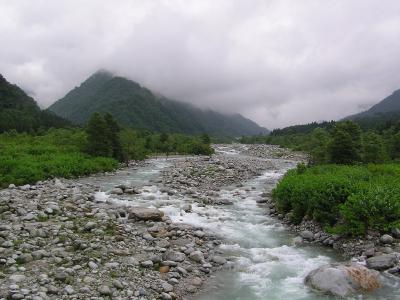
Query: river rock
[(382, 262), (218, 260), (386, 239), (174, 256), (197, 256), (307, 235), (222, 202), (187, 208), (146, 264), (146, 214), (343, 280), (117, 191), (298, 241), (167, 287), (396, 233), (105, 290)]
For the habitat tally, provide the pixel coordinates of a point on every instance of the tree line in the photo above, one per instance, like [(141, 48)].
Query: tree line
[(106, 138), (341, 143)]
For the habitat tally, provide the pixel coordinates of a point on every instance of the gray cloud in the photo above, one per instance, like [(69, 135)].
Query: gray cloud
[(277, 62)]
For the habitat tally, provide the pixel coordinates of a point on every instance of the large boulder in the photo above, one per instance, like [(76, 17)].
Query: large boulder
[(146, 214), (174, 256), (307, 235), (386, 239), (343, 280), (117, 191), (382, 262)]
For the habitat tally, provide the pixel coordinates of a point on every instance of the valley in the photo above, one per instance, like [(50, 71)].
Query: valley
[(182, 227)]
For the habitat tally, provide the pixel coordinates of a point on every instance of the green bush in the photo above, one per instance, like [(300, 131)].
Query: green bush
[(331, 193), (57, 153), (374, 207)]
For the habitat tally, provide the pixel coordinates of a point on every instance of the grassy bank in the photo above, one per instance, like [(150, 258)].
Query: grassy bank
[(346, 199), (26, 158)]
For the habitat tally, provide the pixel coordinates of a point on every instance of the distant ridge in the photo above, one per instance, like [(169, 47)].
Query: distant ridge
[(20, 112), (390, 104), (136, 106)]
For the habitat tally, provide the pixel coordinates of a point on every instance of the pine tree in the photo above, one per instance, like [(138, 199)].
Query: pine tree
[(98, 142), (113, 131)]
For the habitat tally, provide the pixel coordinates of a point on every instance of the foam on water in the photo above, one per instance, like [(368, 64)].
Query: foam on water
[(266, 264), (101, 197)]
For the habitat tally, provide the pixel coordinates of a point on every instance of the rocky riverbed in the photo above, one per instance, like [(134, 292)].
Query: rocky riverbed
[(114, 236)]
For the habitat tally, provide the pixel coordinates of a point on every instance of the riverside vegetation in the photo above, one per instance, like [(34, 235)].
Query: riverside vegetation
[(27, 158), (350, 185), (347, 196)]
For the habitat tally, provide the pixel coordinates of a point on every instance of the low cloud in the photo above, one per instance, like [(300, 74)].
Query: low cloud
[(276, 62)]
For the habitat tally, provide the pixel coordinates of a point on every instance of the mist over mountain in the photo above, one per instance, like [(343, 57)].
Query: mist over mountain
[(137, 106), (20, 112), (385, 111), (388, 105)]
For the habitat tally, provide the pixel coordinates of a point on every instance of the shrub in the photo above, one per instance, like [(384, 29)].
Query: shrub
[(374, 207), (58, 153), (363, 197)]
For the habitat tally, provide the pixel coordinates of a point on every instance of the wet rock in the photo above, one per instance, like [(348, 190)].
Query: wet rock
[(117, 191), (187, 208), (165, 296), (386, 239), (174, 256), (197, 256), (307, 235), (343, 280), (222, 202), (60, 275), (89, 226), (92, 265), (69, 290), (218, 260), (196, 281), (105, 290), (146, 214), (118, 284), (147, 264), (396, 233), (382, 262), (199, 233), (167, 287), (17, 278), (298, 241)]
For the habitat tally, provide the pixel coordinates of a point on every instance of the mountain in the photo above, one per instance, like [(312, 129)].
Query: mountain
[(379, 115), (388, 105), (20, 112), (136, 106)]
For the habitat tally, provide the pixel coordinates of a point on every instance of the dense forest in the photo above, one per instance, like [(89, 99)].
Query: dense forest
[(20, 112), (135, 106)]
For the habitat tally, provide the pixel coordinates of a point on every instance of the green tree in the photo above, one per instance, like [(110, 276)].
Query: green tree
[(113, 131), (373, 148), (345, 147), (98, 142), (395, 153), (318, 146), (205, 139), (134, 144)]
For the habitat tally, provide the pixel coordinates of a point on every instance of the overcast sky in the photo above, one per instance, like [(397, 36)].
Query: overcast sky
[(276, 62)]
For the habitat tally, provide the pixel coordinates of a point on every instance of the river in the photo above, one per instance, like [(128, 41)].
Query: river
[(263, 262)]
